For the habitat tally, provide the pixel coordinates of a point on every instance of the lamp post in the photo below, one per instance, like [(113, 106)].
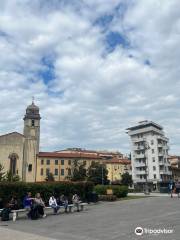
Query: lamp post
[(102, 174), (146, 147)]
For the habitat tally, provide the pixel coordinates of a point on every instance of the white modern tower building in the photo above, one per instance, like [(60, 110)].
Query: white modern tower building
[(149, 155)]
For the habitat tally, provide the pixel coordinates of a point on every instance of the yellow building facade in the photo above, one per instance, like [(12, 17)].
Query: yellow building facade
[(116, 168), (60, 164)]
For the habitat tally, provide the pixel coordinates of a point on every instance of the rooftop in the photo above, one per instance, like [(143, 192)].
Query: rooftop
[(144, 124)]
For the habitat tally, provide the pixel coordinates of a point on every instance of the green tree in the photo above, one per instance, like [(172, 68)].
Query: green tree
[(2, 173), (50, 178), (78, 170), (9, 177), (126, 179), (97, 173)]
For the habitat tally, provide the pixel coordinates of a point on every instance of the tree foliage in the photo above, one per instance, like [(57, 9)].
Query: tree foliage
[(50, 178), (9, 177), (2, 173), (97, 173), (78, 170), (126, 179)]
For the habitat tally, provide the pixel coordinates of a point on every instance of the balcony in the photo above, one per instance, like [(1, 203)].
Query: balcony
[(161, 162), (140, 172), (160, 154), (136, 148), (139, 155), (138, 140), (138, 164)]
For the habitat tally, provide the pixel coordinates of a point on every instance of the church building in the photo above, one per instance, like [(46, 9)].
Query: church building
[(18, 151)]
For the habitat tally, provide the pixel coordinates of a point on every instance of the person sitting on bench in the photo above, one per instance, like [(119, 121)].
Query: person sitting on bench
[(76, 201), (13, 203), (64, 202), (40, 204), (53, 204), (27, 203)]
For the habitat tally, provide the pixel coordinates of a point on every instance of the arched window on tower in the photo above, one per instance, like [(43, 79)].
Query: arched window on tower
[(32, 123), (13, 163)]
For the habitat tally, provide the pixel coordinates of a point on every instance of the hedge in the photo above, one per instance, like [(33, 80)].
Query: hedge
[(118, 191), (19, 190)]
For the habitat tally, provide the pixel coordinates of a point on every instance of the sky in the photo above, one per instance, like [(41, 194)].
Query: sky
[(95, 68)]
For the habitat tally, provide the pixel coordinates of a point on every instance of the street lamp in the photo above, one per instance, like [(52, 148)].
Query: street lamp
[(102, 173), (146, 147)]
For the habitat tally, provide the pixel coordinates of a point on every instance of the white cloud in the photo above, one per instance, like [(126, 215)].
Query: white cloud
[(95, 94)]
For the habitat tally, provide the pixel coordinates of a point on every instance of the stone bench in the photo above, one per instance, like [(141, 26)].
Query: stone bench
[(70, 208)]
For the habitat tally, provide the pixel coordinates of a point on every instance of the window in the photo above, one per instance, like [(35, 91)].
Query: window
[(30, 168), (152, 150), (56, 162), (47, 171), (42, 171), (69, 171), (48, 162), (62, 172), (62, 162), (154, 168), (69, 162), (42, 161), (153, 159), (56, 172), (32, 123), (152, 142), (154, 176)]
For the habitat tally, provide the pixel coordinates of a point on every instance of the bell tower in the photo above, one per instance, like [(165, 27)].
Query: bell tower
[(31, 143)]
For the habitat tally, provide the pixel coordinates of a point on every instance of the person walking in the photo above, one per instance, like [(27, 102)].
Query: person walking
[(171, 188)]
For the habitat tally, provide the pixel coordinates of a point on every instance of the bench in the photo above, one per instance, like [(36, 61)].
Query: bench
[(70, 208), (82, 206)]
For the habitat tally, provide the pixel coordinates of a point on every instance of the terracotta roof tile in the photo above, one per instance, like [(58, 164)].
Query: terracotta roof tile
[(68, 155)]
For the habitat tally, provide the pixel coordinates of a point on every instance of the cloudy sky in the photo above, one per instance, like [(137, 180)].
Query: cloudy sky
[(95, 67)]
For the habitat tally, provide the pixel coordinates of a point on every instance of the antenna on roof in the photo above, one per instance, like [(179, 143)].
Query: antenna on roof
[(33, 99)]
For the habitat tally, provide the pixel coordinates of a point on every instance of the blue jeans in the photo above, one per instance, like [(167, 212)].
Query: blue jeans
[(55, 208)]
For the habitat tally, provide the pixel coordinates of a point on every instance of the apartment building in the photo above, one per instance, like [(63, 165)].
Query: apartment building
[(175, 167), (149, 155)]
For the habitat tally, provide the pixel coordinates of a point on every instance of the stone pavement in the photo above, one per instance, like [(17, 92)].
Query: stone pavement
[(103, 221), (153, 194)]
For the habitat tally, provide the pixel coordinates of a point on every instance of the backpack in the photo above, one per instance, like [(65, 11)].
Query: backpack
[(34, 212), (5, 214)]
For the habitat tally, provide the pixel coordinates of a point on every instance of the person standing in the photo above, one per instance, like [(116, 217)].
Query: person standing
[(171, 188), (177, 186)]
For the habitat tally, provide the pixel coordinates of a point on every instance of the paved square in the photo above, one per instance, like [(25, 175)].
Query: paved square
[(103, 221)]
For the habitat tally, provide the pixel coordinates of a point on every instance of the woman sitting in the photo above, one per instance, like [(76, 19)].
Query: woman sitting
[(53, 204), (40, 205)]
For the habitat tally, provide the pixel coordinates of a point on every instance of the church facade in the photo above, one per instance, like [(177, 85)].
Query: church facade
[(18, 151)]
